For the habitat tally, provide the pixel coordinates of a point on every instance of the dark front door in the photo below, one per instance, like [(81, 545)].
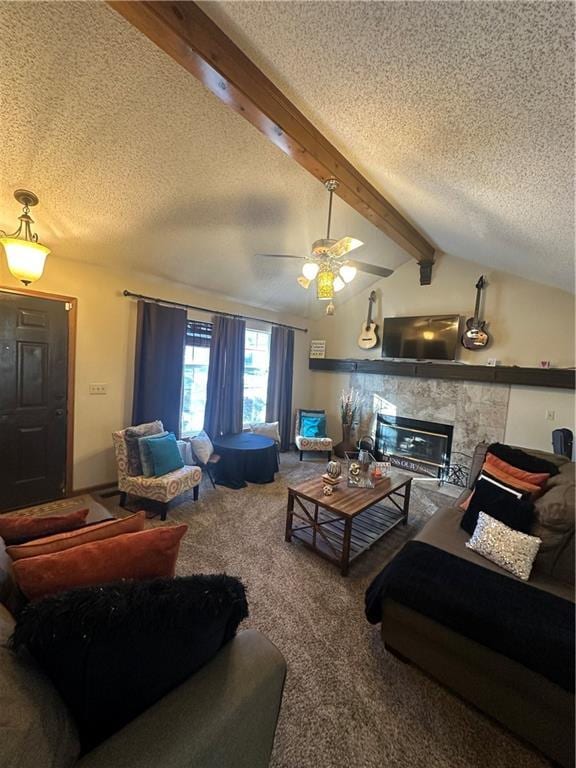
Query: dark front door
[(33, 399)]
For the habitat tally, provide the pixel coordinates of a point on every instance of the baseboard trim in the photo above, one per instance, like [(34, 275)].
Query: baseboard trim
[(113, 486)]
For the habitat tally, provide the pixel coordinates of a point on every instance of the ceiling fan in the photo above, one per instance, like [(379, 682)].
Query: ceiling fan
[(327, 263)]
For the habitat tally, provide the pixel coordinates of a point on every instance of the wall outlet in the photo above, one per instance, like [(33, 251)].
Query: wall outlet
[(97, 389), (550, 415)]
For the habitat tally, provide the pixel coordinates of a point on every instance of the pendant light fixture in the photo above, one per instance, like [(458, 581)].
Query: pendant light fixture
[(24, 254)]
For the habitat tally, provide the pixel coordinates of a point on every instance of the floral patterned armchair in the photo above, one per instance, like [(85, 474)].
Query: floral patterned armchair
[(161, 489), (322, 444)]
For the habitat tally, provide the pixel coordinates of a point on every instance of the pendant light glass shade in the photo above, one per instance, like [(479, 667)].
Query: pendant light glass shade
[(25, 258), (348, 273), (303, 282), (310, 270), (325, 285), (338, 283)]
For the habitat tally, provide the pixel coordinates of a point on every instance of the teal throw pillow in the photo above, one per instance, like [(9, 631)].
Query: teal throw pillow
[(307, 414), (313, 426), (165, 455), (145, 455)]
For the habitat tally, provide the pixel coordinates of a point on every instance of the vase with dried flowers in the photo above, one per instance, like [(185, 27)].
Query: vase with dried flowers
[(349, 407)]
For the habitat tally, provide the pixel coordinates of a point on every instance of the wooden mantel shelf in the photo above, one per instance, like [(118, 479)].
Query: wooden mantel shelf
[(558, 378)]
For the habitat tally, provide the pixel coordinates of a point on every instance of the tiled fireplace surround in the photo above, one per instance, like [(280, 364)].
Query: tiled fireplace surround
[(476, 411)]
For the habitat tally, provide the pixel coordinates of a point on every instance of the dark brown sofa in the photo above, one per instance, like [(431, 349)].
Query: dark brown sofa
[(524, 701)]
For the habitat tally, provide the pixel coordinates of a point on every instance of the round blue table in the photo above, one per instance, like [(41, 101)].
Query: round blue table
[(245, 457)]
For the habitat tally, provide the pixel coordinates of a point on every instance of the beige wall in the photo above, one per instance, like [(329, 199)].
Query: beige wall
[(105, 350), (528, 322), (527, 422)]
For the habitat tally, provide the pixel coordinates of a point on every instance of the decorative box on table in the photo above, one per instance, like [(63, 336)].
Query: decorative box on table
[(359, 464), (363, 470)]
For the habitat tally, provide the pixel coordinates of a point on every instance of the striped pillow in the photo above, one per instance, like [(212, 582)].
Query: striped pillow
[(508, 482), (513, 483)]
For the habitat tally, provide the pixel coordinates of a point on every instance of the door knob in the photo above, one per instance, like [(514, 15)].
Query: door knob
[(59, 412)]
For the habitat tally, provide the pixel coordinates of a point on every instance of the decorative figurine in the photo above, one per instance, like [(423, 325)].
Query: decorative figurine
[(333, 473), (327, 490), (334, 469)]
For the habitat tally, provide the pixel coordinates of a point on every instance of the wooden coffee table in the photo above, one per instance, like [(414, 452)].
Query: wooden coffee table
[(342, 526)]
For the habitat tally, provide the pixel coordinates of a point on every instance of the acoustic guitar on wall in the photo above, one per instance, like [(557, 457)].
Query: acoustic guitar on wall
[(475, 336), (368, 338)]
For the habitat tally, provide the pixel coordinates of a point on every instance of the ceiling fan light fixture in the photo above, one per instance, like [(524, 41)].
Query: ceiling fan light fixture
[(348, 273), (338, 283), (325, 285), (303, 282), (310, 270)]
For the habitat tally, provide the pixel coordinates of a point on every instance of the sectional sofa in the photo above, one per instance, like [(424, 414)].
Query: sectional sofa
[(527, 702)]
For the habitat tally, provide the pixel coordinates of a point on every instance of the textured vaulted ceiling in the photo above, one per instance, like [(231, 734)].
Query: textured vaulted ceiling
[(136, 164), (462, 113)]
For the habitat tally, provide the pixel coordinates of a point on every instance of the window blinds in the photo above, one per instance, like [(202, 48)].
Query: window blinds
[(198, 334)]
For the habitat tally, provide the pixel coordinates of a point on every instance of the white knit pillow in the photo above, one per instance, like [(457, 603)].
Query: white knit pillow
[(510, 549), (270, 429), (202, 446)]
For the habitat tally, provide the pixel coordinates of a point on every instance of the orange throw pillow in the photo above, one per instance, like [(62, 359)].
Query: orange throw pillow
[(15, 529), (61, 541), (142, 555), (510, 480), (537, 478)]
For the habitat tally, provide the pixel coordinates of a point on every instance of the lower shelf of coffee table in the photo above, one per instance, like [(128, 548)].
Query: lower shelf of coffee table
[(367, 528)]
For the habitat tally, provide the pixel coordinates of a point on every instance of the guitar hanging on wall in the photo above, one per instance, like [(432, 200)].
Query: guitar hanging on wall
[(368, 338), (475, 336)]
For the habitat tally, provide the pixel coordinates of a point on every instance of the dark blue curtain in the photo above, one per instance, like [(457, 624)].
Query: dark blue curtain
[(160, 338), (280, 373), (225, 388)]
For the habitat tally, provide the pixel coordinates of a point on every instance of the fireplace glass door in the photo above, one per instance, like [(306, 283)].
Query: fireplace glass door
[(420, 446)]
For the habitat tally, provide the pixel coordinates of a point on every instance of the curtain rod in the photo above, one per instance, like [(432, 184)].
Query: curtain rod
[(211, 311)]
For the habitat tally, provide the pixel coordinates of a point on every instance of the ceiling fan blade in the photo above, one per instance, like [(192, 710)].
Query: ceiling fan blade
[(280, 256), (372, 269), (344, 246)]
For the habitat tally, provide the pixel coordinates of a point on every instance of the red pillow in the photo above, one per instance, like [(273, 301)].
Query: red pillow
[(47, 545), (15, 529), (519, 479), (536, 478), (143, 555), (511, 481)]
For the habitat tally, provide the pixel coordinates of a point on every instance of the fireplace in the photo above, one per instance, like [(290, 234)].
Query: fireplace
[(420, 446)]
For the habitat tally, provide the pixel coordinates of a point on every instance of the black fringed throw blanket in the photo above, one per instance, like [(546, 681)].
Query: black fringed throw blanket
[(521, 622)]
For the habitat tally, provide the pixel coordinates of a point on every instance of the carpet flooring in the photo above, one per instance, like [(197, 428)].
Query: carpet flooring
[(347, 702)]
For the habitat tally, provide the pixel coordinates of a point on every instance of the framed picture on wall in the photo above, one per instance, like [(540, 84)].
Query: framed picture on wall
[(317, 348)]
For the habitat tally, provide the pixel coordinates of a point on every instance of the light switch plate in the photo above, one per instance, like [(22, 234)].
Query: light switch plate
[(97, 389)]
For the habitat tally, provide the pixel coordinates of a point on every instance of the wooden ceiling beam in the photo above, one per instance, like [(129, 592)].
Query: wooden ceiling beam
[(191, 38)]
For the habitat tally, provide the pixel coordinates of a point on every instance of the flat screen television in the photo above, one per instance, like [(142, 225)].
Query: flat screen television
[(431, 337)]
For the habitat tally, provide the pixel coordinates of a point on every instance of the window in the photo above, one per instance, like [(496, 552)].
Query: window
[(196, 359), (256, 362)]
